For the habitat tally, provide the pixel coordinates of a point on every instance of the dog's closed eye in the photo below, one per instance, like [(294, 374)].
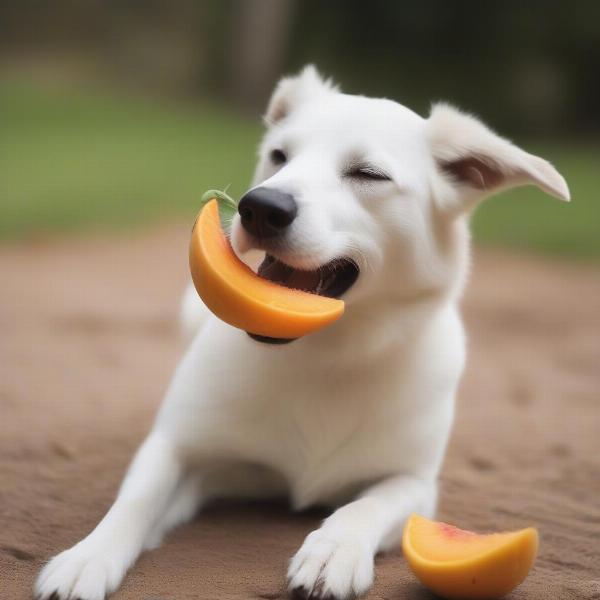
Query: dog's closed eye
[(278, 157), (367, 173)]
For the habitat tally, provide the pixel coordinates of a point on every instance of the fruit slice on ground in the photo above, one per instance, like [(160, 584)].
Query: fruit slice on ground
[(238, 296), (455, 563)]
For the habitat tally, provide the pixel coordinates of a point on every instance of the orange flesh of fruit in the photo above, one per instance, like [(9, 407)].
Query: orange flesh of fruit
[(455, 563), (238, 296)]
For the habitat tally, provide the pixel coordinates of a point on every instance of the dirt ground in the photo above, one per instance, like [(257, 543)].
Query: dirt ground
[(88, 341)]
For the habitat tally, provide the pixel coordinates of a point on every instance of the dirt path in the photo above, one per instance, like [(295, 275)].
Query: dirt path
[(88, 342)]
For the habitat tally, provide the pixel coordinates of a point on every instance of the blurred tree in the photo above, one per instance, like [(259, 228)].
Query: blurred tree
[(525, 66), (259, 46)]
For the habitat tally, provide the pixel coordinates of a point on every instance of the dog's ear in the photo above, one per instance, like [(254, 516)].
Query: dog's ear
[(475, 162), (292, 91)]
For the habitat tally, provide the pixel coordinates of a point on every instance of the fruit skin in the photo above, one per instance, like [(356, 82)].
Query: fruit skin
[(489, 574), (238, 296)]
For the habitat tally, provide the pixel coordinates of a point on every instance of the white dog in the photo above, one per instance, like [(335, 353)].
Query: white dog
[(354, 196)]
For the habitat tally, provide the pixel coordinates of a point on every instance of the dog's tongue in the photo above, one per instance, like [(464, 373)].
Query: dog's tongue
[(278, 272)]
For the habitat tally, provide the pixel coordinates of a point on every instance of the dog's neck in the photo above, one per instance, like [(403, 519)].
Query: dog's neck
[(386, 324), (370, 332)]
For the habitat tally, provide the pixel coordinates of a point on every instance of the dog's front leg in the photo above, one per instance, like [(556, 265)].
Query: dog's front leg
[(96, 565), (336, 560)]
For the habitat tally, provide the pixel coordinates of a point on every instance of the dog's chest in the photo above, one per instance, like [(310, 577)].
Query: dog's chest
[(329, 433), (326, 425)]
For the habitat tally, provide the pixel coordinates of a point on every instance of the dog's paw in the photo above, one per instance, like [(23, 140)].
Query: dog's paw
[(80, 573), (331, 566)]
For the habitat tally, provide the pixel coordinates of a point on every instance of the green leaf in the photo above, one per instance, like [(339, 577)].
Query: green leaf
[(227, 205)]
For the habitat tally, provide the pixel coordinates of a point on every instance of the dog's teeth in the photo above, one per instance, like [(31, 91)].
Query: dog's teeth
[(319, 285)]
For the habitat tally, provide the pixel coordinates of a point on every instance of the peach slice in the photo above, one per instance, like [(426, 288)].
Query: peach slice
[(455, 563), (238, 296)]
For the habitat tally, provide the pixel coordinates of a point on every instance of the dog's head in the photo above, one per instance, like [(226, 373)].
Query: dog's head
[(362, 197)]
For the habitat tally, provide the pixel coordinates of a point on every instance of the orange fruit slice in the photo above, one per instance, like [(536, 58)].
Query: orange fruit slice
[(238, 296), (455, 563)]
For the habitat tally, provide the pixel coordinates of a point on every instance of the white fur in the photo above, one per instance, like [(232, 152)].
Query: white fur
[(356, 416)]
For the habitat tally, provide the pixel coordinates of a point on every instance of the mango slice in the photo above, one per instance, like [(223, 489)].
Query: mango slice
[(455, 563), (238, 296)]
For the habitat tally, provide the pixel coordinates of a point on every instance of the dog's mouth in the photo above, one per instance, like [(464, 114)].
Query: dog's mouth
[(332, 279)]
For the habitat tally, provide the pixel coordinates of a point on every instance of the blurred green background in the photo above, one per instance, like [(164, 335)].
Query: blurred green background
[(114, 114)]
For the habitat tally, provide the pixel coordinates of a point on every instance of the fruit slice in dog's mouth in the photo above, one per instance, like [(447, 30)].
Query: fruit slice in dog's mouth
[(281, 303), (455, 563), (331, 280)]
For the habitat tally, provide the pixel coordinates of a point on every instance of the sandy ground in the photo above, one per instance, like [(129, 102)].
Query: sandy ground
[(89, 339)]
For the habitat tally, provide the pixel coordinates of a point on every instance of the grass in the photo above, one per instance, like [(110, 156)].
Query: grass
[(83, 159), (73, 159), (526, 218)]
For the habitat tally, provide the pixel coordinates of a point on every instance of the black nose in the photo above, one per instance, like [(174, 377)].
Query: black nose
[(267, 212)]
